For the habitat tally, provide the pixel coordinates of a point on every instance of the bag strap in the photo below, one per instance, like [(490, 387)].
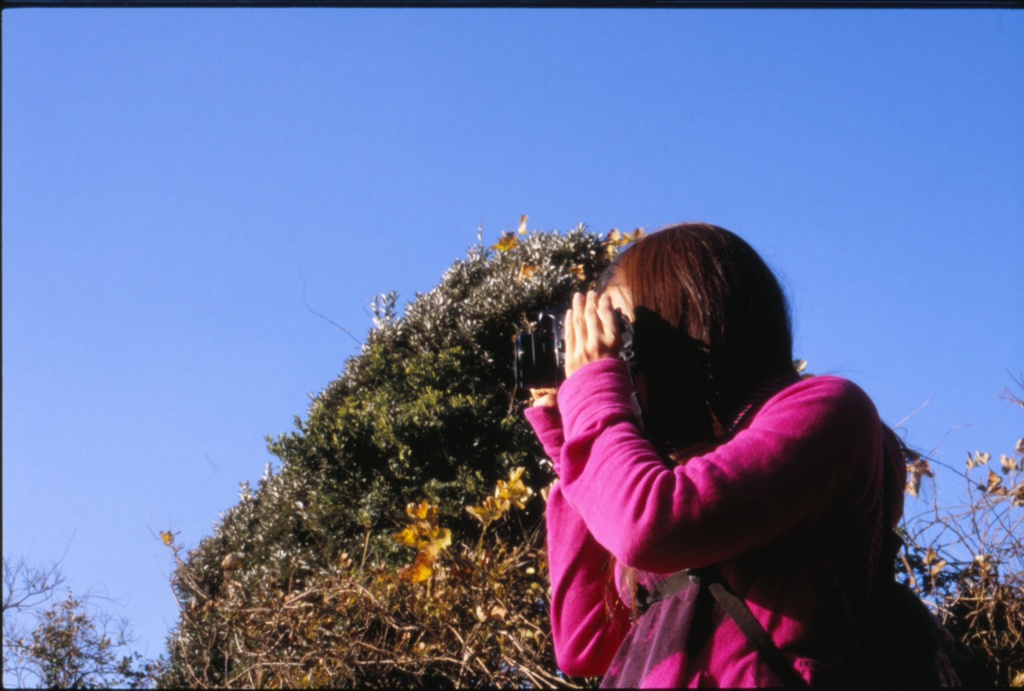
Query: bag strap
[(738, 610), (708, 579), (663, 590)]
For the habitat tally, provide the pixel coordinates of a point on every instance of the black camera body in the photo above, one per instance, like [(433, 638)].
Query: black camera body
[(540, 354)]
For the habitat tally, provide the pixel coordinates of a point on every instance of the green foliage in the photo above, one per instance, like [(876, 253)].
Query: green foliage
[(426, 412)]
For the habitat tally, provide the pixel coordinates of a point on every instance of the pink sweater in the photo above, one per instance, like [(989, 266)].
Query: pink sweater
[(790, 508)]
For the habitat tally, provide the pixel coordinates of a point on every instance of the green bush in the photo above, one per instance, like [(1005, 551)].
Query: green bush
[(426, 412)]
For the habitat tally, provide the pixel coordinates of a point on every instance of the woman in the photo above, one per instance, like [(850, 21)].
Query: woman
[(779, 482)]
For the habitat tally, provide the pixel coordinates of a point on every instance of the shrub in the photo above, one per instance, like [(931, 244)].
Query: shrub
[(425, 413), (968, 560)]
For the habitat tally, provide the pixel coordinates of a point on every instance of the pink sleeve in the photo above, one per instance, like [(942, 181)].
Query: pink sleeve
[(810, 454), (585, 638), (547, 424)]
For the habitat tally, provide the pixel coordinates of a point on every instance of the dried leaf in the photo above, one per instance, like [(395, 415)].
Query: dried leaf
[(232, 562), (526, 272), (994, 482), (1008, 463), (915, 472), (547, 490), (522, 224)]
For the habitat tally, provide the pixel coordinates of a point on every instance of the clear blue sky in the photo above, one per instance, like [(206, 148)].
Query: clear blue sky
[(173, 180)]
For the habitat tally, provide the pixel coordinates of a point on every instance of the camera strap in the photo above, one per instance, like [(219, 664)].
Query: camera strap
[(628, 355)]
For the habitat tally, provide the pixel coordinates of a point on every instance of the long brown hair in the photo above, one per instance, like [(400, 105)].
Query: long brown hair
[(711, 329)]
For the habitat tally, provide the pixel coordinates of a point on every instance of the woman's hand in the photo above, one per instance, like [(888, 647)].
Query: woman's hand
[(543, 398), (591, 331)]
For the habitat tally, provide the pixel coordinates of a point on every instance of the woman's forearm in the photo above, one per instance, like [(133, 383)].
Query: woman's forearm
[(587, 631)]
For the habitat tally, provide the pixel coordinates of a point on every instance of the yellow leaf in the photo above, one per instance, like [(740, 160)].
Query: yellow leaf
[(515, 491), (167, 537), (938, 567), (578, 272), (443, 538), (634, 236), (486, 513), (618, 239), (522, 224), (507, 242), (422, 512), (408, 537), (418, 572)]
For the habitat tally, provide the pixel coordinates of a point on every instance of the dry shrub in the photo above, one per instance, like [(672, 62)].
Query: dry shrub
[(473, 616), (968, 560)]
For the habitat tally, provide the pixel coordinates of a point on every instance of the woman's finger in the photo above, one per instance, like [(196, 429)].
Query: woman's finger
[(611, 335), (575, 335), (593, 324)]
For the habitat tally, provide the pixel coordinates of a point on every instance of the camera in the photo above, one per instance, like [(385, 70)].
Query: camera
[(540, 354)]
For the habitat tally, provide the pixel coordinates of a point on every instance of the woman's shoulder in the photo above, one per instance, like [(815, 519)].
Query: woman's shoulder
[(821, 400), (823, 389)]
